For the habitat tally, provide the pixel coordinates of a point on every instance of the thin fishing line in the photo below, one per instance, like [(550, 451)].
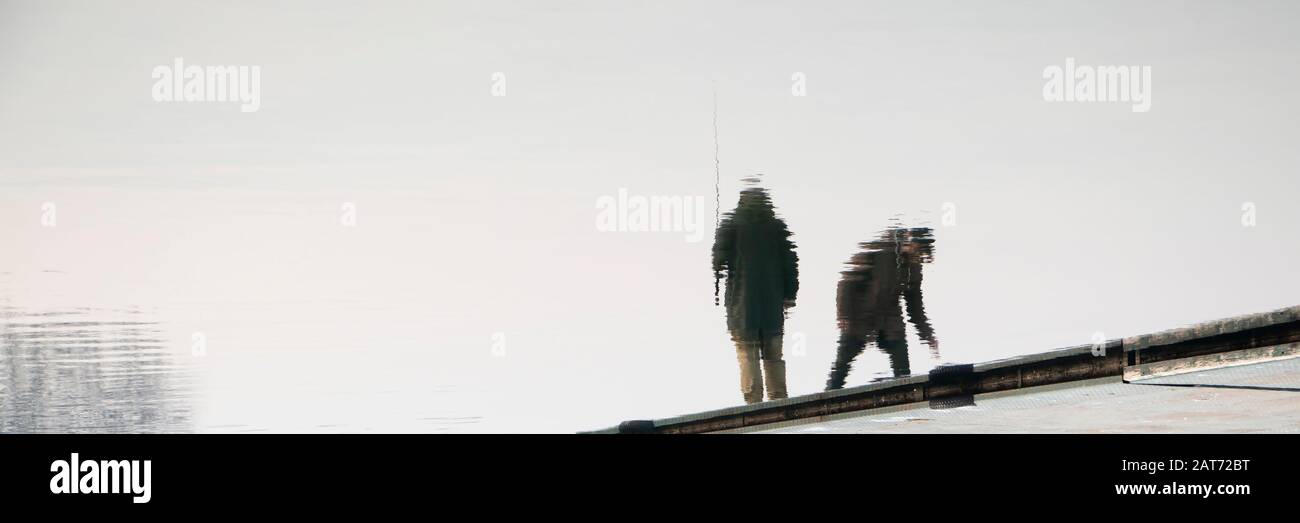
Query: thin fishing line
[(717, 166)]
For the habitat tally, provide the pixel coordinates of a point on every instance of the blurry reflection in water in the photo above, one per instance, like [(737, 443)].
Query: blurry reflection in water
[(89, 370), (885, 271)]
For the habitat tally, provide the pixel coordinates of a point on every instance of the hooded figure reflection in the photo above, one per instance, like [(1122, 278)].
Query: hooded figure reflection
[(752, 246), (867, 300)]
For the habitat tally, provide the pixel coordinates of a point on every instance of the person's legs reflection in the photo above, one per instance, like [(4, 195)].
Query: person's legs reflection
[(751, 379), (895, 345), (774, 368), (850, 346)]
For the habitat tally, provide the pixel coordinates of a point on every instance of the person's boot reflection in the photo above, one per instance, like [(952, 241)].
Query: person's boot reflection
[(867, 301), (752, 247)]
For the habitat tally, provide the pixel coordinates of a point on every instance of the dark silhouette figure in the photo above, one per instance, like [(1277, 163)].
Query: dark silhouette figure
[(752, 247), (867, 300)]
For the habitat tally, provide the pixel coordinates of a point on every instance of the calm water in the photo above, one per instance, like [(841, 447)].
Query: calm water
[(349, 365), (375, 358), (129, 370), (387, 246)]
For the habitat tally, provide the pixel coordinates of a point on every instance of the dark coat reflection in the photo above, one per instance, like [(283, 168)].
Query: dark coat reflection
[(868, 310)]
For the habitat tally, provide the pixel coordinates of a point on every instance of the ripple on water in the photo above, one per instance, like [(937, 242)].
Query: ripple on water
[(89, 370)]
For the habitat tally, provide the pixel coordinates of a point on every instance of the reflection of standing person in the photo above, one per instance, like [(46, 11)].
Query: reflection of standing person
[(753, 247), (867, 301)]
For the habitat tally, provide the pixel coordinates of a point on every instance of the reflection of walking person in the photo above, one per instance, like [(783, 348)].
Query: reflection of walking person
[(753, 247), (867, 301)]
